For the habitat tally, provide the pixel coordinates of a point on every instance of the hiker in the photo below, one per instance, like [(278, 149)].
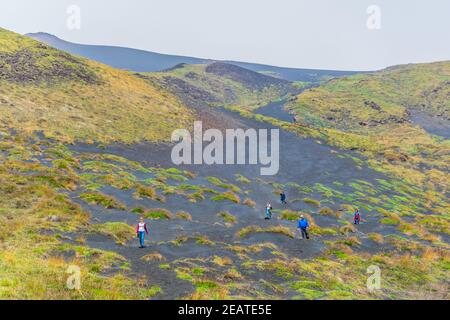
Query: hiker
[(283, 197), (356, 217), (268, 211), (141, 230), (303, 225)]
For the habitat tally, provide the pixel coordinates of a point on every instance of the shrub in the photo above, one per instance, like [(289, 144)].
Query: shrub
[(242, 179), (204, 240), (289, 215), (347, 208), (137, 210), (233, 274), (209, 290), (101, 199), (351, 241), (227, 217), (347, 228), (255, 229), (183, 215), (158, 213), (145, 191), (155, 256), (120, 231), (376, 237), (323, 231), (390, 221), (183, 274), (249, 202), (312, 202), (310, 294), (193, 197), (327, 211), (390, 218), (229, 195), (219, 183), (179, 240), (222, 261), (152, 291)]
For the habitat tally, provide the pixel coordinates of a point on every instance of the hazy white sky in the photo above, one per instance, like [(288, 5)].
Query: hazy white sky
[(326, 34)]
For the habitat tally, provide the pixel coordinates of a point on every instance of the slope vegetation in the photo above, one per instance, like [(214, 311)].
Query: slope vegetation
[(375, 114), (220, 83), (71, 98), (378, 99), (64, 205)]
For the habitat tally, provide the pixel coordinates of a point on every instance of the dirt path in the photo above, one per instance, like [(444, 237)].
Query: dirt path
[(303, 161)]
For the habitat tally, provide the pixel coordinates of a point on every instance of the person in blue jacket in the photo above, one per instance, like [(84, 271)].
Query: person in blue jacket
[(268, 211), (303, 225), (283, 197)]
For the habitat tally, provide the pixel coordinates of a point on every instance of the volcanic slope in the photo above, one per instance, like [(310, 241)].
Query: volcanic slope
[(71, 98)]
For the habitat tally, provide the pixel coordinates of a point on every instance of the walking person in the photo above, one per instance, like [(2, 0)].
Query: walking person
[(283, 197), (356, 217), (268, 211), (303, 225), (141, 231)]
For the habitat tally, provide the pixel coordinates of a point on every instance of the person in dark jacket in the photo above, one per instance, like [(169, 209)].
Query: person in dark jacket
[(303, 225), (283, 197), (356, 217)]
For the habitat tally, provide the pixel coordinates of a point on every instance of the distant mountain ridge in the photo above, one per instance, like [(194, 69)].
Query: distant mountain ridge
[(147, 61), (220, 84)]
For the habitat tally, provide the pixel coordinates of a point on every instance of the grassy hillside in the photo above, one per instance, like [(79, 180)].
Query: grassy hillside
[(372, 114), (378, 99), (60, 207), (41, 230), (221, 84), (71, 98), (48, 193)]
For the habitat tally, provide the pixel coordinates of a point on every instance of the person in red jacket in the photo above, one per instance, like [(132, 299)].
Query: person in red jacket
[(356, 217), (141, 230)]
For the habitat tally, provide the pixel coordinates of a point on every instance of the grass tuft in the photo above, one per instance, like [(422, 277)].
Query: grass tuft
[(157, 213), (100, 199)]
